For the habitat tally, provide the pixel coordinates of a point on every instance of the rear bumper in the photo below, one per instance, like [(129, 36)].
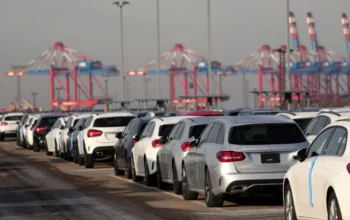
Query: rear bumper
[(103, 153), (40, 141), (247, 183), (9, 133)]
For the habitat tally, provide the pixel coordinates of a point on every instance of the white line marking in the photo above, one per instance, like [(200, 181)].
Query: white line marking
[(93, 170)]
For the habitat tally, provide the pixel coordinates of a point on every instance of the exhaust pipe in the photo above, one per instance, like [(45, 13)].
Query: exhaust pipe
[(99, 154)]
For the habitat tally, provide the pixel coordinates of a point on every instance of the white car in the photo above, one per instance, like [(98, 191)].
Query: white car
[(8, 125), (25, 128), (99, 136), (317, 187), (321, 121), (301, 118), (29, 131), (144, 152), (53, 136)]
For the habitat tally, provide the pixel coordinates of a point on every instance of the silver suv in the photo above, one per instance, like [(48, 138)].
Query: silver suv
[(236, 155)]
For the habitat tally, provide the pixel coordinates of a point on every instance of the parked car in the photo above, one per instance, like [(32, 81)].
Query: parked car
[(41, 128), (316, 187), (201, 113), (301, 118), (123, 147), (52, 137), (238, 155), (171, 154), (98, 136), (144, 153), (321, 121), (73, 146), (26, 129), (8, 125), (248, 112), (18, 129)]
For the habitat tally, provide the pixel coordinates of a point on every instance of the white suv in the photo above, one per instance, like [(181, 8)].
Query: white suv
[(99, 135), (8, 125)]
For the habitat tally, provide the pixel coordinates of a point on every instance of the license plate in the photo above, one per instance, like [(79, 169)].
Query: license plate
[(270, 158)]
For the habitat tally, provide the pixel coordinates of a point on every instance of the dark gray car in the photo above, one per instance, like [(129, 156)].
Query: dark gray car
[(122, 155)]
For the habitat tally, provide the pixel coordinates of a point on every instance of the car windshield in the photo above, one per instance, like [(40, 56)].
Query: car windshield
[(113, 122), (164, 130), (13, 118), (303, 122), (48, 121), (196, 131), (266, 134)]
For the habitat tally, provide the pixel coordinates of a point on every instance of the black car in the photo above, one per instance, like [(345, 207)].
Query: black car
[(122, 155), (41, 128)]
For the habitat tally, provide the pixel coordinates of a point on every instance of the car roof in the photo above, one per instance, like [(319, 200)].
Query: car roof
[(15, 113), (113, 114), (299, 115), (259, 119), (169, 120), (200, 120)]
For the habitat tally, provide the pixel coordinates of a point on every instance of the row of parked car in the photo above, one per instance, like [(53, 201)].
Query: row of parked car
[(301, 153)]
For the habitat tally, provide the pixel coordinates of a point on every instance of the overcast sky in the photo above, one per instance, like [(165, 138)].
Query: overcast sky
[(239, 27)]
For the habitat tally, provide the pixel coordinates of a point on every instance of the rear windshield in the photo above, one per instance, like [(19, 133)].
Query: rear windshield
[(303, 122), (49, 121), (113, 122), (75, 122), (164, 130), (196, 131), (233, 113), (266, 134), (265, 113), (13, 118)]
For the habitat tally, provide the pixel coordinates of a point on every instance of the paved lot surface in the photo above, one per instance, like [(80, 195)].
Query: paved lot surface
[(34, 186)]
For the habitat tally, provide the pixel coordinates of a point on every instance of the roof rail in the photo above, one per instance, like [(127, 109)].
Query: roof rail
[(330, 112)]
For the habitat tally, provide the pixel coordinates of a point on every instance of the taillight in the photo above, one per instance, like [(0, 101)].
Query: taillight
[(94, 133), (230, 156), (186, 147), (348, 167), (156, 143), (4, 123), (133, 141), (39, 129)]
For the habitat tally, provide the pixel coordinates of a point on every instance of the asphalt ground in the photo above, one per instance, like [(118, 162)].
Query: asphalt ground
[(35, 186)]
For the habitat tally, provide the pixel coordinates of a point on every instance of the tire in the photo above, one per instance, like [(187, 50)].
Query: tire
[(289, 208), (36, 148), (135, 178), (117, 171), (160, 183), (57, 154), (150, 180), (23, 144), (2, 138), (186, 192), (176, 182), (76, 153), (211, 200), (89, 161), (333, 208), (81, 161), (128, 168)]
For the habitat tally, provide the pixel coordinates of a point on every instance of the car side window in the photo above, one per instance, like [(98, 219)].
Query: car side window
[(311, 126), (88, 122), (319, 144), (129, 127), (321, 123), (336, 142), (173, 132), (145, 130), (151, 129), (246, 113), (204, 136), (221, 136), (180, 131), (214, 133)]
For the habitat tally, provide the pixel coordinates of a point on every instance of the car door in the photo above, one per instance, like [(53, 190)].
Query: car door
[(304, 173), (165, 150), (192, 158), (203, 150), (325, 168), (169, 151), (139, 149), (50, 135)]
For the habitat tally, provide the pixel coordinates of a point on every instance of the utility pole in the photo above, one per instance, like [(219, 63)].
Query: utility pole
[(158, 50), (209, 48), (34, 98)]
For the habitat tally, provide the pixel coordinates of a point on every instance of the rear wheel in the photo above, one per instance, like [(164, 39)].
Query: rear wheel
[(160, 183), (56, 150), (186, 192), (2, 138), (176, 182), (149, 179), (89, 161), (211, 200), (117, 171), (289, 210), (334, 212), (128, 169), (76, 154), (135, 178)]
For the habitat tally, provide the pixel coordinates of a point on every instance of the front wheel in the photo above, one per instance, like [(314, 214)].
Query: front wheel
[(36, 148), (211, 200), (117, 171), (334, 212), (289, 210), (186, 192), (128, 168), (160, 183)]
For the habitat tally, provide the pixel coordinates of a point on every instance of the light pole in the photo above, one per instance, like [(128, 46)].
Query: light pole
[(158, 49), (209, 47), (288, 73), (34, 99), (121, 4)]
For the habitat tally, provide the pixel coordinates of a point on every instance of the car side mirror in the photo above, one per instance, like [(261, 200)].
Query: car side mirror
[(136, 137), (119, 135), (193, 142), (300, 155)]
